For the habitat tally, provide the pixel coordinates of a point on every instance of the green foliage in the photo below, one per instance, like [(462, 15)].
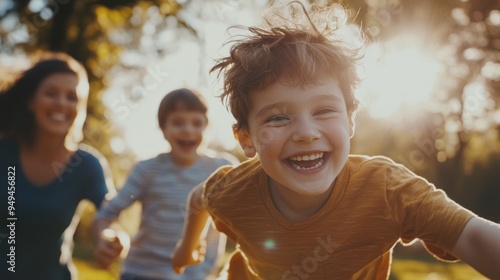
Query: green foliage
[(88, 31), (84, 30), (457, 145)]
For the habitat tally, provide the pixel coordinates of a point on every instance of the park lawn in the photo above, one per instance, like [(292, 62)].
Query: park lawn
[(402, 269), (88, 271)]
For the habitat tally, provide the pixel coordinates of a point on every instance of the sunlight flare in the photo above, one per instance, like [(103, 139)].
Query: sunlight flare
[(400, 77)]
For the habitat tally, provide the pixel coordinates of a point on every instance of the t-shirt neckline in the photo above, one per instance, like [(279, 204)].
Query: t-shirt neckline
[(339, 188)]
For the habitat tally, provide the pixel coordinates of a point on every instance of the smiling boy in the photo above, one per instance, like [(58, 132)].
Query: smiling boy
[(305, 208), (162, 185)]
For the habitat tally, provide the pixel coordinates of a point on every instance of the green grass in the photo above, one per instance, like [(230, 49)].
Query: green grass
[(422, 270), (402, 269), (89, 271), (409, 263)]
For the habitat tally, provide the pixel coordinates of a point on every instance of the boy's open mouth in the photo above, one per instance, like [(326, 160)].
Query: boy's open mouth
[(306, 162), (186, 144)]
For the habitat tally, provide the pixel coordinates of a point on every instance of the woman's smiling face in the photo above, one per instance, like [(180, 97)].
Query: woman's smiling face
[(55, 104)]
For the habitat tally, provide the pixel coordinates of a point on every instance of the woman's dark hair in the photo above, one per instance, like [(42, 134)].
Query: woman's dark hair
[(16, 119), (180, 99)]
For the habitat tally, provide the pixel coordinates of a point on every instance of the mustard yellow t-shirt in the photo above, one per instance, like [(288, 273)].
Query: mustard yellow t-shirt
[(374, 203)]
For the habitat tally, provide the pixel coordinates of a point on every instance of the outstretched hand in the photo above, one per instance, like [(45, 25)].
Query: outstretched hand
[(187, 255), (110, 244)]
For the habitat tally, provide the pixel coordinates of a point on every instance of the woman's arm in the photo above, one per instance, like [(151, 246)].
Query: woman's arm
[(190, 250), (479, 246)]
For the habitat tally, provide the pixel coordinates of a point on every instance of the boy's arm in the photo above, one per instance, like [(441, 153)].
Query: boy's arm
[(190, 250), (107, 247), (479, 246), (109, 238)]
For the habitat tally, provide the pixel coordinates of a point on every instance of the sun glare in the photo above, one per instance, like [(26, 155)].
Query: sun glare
[(400, 77)]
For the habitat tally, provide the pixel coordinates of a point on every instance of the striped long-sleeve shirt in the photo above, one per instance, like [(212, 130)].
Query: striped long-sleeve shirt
[(162, 187)]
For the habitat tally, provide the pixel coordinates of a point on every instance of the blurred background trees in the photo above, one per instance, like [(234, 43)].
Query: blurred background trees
[(455, 141), (95, 32)]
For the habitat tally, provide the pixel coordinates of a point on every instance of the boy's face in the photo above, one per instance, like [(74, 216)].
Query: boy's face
[(300, 134), (183, 129)]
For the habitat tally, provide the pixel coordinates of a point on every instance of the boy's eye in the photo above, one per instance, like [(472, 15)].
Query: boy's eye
[(177, 122), (277, 119), (325, 111), (198, 124)]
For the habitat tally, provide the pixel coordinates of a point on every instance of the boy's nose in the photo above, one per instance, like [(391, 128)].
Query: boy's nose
[(189, 128), (305, 131)]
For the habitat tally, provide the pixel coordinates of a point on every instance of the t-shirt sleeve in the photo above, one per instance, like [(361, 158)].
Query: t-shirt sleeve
[(214, 185), (424, 212), (128, 194), (213, 190)]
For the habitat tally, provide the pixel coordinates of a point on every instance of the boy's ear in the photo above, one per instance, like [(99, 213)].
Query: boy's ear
[(352, 126), (163, 132), (243, 137)]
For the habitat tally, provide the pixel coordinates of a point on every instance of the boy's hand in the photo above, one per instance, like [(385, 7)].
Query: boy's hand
[(185, 255), (110, 245)]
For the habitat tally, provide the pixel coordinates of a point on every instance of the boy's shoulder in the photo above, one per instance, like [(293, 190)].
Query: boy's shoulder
[(363, 162), (230, 185), (158, 162), (163, 160), (227, 177), (149, 161), (367, 166), (380, 168), (242, 171), (220, 157)]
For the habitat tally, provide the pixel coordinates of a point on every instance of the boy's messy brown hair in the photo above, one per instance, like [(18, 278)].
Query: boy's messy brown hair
[(297, 48), (181, 99)]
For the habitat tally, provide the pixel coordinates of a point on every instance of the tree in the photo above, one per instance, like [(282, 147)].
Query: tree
[(457, 145), (95, 32)]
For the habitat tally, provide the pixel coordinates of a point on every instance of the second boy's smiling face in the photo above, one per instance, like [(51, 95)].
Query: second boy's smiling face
[(183, 129), (300, 134)]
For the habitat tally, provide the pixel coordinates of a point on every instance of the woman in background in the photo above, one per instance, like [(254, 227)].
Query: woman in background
[(44, 172)]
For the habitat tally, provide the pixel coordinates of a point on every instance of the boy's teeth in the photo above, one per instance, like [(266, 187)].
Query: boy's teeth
[(307, 157), (298, 167)]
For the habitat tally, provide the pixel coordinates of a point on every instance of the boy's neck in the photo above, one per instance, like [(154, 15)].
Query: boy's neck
[(294, 206), (184, 161)]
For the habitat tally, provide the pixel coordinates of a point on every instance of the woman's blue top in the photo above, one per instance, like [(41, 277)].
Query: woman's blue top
[(34, 218)]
